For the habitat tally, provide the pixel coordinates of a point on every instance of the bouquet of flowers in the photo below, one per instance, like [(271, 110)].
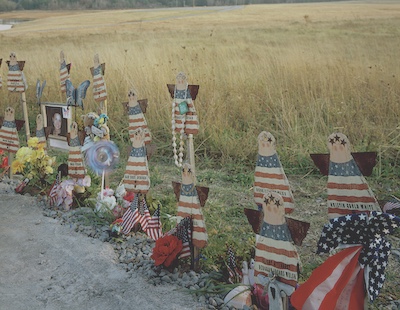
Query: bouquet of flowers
[(116, 201), (32, 162)]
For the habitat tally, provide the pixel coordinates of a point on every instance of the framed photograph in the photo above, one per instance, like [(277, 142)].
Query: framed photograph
[(57, 121)]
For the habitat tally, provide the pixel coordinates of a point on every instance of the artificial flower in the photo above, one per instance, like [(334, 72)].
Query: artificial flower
[(166, 250), (33, 142), (17, 166)]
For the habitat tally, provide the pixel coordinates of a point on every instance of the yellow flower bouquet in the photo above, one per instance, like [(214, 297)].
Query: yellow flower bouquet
[(32, 162)]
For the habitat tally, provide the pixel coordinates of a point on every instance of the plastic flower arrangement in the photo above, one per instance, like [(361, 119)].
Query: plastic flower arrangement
[(116, 201), (166, 250), (32, 162)]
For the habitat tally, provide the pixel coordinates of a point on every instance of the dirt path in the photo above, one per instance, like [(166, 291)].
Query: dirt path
[(45, 265)]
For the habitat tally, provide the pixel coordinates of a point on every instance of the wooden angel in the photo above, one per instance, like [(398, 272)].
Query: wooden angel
[(348, 191), (1, 80), (40, 132), (76, 167), (137, 177), (184, 116), (276, 259), (136, 110), (99, 84), (269, 174), (9, 140), (191, 199), (64, 72), (16, 81)]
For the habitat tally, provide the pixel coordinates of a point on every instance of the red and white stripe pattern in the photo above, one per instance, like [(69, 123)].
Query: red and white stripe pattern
[(270, 176), (76, 168), (15, 79), (137, 212), (278, 257), (136, 121), (53, 193), (99, 85), (154, 230), (348, 191), (189, 121), (336, 284), (64, 75), (189, 205), (9, 141), (136, 177)]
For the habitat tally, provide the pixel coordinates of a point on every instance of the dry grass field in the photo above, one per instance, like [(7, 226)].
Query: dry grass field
[(300, 71)]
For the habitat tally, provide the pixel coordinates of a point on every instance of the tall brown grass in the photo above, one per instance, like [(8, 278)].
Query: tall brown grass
[(261, 67)]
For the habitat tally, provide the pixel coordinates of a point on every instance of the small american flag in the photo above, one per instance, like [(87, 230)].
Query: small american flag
[(234, 273), (144, 214), (184, 233), (154, 230), (131, 216), (54, 189)]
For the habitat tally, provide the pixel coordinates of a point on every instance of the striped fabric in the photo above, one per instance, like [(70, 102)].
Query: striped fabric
[(189, 205), (154, 230), (76, 168), (278, 257), (138, 212), (64, 75), (189, 120), (15, 79), (131, 216), (1, 82), (348, 191), (9, 141), (99, 85), (136, 121), (336, 284), (270, 176), (136, 177)]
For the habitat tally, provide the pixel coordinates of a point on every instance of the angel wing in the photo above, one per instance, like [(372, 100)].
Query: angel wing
[(193, 90), (39, 90), (1, 60), (19, 123), (298, 229), (255, 219), (75, 96), (202, 192)]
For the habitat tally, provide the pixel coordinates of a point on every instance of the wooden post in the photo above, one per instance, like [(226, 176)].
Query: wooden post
[(191, 157), (26, 118)]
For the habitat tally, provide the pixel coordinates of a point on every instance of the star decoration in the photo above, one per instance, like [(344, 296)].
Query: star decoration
[(370, 232)]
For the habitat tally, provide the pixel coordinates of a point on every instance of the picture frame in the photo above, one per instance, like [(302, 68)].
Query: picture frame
[(57, 121)]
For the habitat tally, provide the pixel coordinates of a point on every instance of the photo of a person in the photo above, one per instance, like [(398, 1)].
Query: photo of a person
[(56, 124)]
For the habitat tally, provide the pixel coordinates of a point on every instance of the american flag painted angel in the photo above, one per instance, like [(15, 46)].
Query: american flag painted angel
[(64, 72), (9, 140), (191, 199), (99, 84), (137, 177), (40, 132), (348, 191), (76, 167), (136, 110), (276, 259), (269, 174), (16, 81)]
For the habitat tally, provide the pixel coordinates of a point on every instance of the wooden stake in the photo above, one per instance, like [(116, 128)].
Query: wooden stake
[(26, 118), (191, 157)]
